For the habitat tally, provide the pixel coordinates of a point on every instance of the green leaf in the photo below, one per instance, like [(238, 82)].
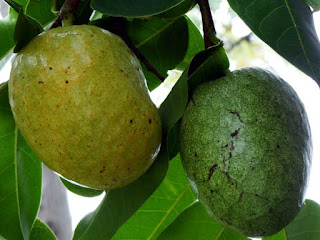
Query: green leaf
[(164, 205), (178, 10), (20, 177), (133, 8), (26, 29), (16, 6), (56, 5), (205, 66), (84, 12), (315, 4), (41, 231), (195, 45), (195, 223), (81, 190), (304, 226), (287, 26), (162, 42), (120, 204), (7, 26), (41, 11)]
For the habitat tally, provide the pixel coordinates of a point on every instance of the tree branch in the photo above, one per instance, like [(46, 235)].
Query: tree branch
[(209, 30), (67, 11)]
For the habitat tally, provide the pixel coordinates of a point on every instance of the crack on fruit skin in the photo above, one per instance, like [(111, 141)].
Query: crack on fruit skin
[(236, 113), (235, 133), (211, 171)]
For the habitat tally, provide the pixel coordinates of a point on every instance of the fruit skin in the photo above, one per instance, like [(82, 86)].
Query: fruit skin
[(79, 97), (246, 148)]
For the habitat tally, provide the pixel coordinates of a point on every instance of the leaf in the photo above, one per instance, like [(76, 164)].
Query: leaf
[(133, 8), (41, 231), (41, 11), (26, 29), (119, 204), (315, 4), (164, 205), (304, 226), (287, 26), (16, 6), (7, 26), (20, 177), (178, 10), (195, 223), (81, 190), (205, 66), (84, 12), (195, 45), (162, 42)]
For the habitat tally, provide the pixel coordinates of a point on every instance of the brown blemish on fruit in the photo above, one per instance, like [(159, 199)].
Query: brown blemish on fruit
[(150, 120), (237, 114), (240, 197), (235, 133), (103, 169), (41, 82), (67, 82), (211, 171)]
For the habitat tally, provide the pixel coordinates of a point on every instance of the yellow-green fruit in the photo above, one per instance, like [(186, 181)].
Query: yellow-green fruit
[(80, 99)]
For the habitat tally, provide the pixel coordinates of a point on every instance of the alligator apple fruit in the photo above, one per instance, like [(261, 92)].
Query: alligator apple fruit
[(79, 97), (246, 148)]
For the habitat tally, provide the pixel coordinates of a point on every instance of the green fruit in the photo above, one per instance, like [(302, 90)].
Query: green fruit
[(246, 148), (80, 99)]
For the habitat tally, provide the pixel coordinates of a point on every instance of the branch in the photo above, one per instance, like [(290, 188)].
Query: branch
[(209, 30), (67, 12), (244, 38), (117, 27)]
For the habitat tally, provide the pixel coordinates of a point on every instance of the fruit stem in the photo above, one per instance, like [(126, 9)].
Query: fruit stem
[(209, 30), (67, 13)]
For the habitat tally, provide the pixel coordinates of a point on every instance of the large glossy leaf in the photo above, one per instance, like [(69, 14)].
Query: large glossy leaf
[(164, 205), (162, 42), (178, 10), (195, 223), (205, 66), (20, 177), (287, 26), (304, 227), (26, 29), (195, 45), (41, 11), (133, 8), (41, 231), (120, 204), (81, 190)]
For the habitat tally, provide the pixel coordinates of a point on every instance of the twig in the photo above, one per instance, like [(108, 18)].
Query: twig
[(209, 30), (117, 27), (69, 7)]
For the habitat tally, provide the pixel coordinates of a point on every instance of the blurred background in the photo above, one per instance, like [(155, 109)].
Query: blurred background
[(244, 49)]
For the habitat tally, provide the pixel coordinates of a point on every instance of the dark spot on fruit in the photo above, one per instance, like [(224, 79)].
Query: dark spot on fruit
[(114, 179), (137, 68), (50, 68), (121, 70), (195, 155), (235, 133), (67, 82), (226, 145), (69, 67), (131, 121), (236, 113), (230, 155), (41, 82), (278, 145), (212, 170), (228, 222), (232, 146), (228, 176), (91, 35), (270, 210), (103, 169), (252, 169), (211, 191), (240, 197), (218, 141), (150, 120)]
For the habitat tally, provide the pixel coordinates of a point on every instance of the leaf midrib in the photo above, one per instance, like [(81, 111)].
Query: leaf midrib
[(156, 33), (169, 211), (299, 36)]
